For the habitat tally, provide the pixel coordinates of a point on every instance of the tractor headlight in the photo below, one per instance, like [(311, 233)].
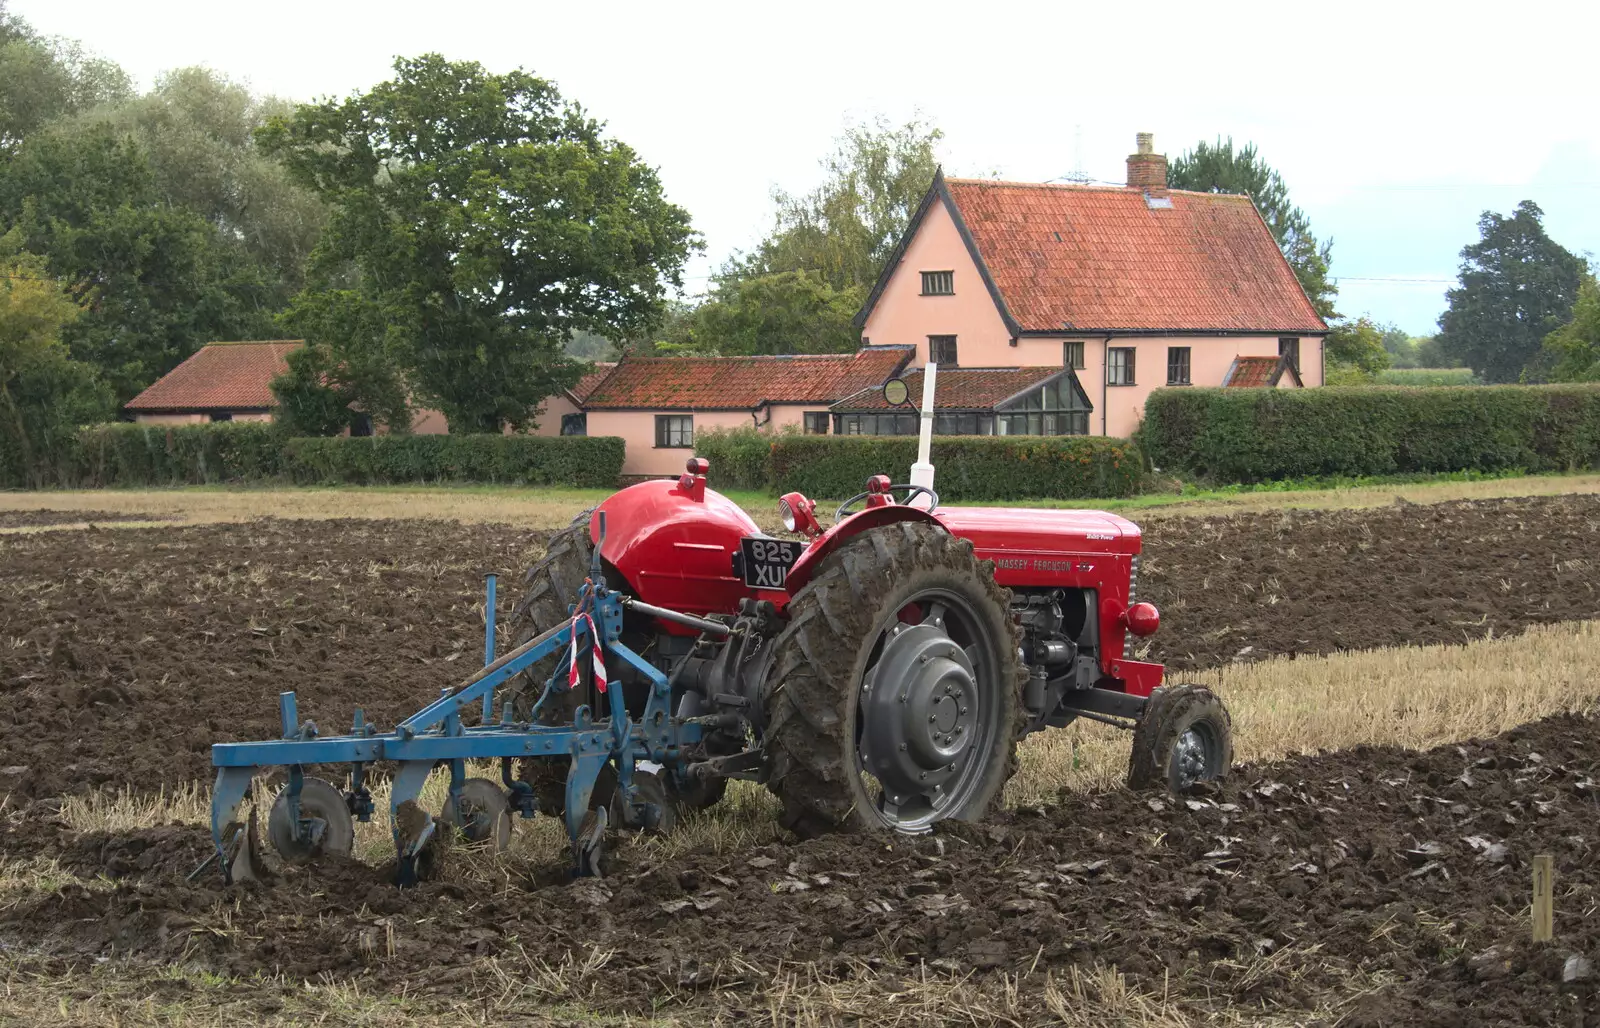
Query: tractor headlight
[(797, 514)]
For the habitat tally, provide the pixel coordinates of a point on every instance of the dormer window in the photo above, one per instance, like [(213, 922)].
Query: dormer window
[(938, 283)]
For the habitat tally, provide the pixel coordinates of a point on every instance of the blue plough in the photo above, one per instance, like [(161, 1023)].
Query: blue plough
[(310, 816)]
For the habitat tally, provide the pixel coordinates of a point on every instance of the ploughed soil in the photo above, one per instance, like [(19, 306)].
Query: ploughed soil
[(1385, 886), (127, 653), (124, 654), (1310, 581), (37, 518)]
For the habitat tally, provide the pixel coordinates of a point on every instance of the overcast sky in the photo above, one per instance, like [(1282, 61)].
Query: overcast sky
[(1395, 124)]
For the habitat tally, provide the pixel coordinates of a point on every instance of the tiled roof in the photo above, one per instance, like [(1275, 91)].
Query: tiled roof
[(1251, 371), (1084, 258), (221, 376), (586, 384), (1246, 372), (743, 383), (955, 389)]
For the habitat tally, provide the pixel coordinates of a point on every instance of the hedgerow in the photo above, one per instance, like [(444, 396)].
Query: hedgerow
[(1254, 435), (970, 468), (160, 455)]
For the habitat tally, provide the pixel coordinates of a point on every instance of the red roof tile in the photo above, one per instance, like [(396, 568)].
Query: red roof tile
[(1083, 258), (221, 376), (1246, 372), (742, 383), (586, 384), (956, 389)]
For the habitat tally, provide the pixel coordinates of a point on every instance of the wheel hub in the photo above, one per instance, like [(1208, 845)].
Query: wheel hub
[(1189, 757), (919, 712)]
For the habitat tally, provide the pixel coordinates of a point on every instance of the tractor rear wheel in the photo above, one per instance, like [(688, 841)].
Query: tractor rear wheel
[(1184, 737), (894, 696), (553, 585)]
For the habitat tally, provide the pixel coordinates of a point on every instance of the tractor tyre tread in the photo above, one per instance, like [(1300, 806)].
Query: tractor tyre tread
[(552, 586), (816, 671), (1170, 712)]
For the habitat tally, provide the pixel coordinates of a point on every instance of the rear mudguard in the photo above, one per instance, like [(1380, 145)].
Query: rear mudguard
[(854, 525)]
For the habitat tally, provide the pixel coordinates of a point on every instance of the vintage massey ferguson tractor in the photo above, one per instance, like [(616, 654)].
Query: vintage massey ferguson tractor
[(875, 673)]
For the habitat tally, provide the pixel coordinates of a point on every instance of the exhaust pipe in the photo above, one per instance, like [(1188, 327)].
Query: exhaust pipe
[(922, 470)]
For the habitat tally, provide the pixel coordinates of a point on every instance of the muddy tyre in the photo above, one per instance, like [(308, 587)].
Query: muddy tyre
[(552, 586), (1184, 737), (894, 697)]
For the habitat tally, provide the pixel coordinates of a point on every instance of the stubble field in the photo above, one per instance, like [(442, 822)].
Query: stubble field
[(1385, 882)]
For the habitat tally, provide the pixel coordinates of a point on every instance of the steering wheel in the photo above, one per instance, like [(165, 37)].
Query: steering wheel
[(912, 491)]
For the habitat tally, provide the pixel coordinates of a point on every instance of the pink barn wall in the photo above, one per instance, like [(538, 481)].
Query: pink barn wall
[(904, 316), (1118, 409)]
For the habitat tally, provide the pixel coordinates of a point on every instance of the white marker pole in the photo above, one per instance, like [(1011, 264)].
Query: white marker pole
[(922, 470)]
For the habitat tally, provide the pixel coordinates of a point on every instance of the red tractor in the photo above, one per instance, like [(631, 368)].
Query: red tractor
[(880, 671)]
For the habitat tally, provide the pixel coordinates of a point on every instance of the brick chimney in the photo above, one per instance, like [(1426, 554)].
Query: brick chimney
[(1147, 170)]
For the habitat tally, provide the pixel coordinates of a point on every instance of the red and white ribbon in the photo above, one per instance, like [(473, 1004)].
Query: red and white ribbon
[(595, 654)]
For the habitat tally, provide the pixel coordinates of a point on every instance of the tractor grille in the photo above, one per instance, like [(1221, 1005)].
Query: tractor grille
[(1133, 579)]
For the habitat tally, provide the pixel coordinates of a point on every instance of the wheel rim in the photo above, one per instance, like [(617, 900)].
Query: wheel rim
[(927, 715), (1193, 756)]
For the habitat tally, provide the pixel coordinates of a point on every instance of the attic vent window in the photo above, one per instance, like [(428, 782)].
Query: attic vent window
[(938, 283), (1158, 203)]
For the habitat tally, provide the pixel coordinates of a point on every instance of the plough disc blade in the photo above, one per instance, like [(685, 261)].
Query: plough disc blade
[(243, 854)]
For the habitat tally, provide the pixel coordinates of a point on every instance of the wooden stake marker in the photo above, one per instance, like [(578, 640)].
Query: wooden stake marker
[(1544, 882)]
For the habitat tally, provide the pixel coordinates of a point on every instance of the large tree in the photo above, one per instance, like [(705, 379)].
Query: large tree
[(44, 394), (197, 130), (844, 230), (483, 218), (1219, 168), (1573, 350), (780, 313), (43, 79), (153, 277), (1517, 286)]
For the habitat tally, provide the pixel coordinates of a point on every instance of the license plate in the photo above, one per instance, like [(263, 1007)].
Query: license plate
[(767, 561)]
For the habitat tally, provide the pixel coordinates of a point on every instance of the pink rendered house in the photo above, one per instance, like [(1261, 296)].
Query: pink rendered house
[(1132, 288)]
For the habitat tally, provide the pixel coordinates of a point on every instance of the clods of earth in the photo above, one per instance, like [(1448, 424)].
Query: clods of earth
[(1395, 880)]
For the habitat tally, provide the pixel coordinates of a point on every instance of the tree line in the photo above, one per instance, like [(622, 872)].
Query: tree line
[(439, 239), (466, 241)]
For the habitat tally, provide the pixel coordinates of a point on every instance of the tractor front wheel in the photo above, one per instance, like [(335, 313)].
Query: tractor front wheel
[(893, 697), (1184, 737)]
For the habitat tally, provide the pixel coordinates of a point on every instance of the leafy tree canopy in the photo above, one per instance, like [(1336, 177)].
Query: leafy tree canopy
[(1574, 348), (153, 277), (44, 79), (44, 393), (196, 129), (1517, 285), (785, 312), (1219, 168), (844, 230), (1358, 345), (483, 218)]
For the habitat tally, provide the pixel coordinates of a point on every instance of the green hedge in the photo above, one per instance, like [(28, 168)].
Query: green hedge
[(160, 455), (738, 457), (139, 454), (582, 461), (970, 468), (1254, 435)]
